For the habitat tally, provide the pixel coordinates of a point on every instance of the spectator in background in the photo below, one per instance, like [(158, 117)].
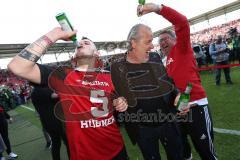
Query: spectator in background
[(218, 51), (8, 97), (230, 50), (2, 148), (25, 93), (236, 45), (199, 55), (4, 133), (208, 57), (21, 94), (44, 101), (18, 95), (6, 101)]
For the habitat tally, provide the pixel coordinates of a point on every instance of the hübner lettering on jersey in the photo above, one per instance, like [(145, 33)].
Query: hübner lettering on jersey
[(93, 83), (92, 123)]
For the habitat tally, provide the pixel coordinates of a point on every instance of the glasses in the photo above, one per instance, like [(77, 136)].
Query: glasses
[(163, 39)]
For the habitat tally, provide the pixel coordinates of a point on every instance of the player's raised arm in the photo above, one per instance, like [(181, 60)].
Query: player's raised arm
[(24, 63)]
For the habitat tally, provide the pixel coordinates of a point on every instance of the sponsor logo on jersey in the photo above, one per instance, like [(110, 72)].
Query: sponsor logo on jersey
[(93, 83)]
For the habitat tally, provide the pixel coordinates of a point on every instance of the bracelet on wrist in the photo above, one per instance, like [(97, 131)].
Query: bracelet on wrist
[(47, 40)]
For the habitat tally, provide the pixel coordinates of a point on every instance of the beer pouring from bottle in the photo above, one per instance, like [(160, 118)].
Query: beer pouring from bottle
[(184, 98), (66, 26)]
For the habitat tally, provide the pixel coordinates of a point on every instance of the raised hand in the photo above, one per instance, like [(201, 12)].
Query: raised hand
[(147, 8), (58, 34)]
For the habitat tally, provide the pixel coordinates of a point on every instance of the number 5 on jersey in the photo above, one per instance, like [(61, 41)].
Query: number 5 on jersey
[(94, 98)]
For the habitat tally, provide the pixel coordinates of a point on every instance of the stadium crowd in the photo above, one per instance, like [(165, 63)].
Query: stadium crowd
[(205, 36), (14, 91), (230, 36)]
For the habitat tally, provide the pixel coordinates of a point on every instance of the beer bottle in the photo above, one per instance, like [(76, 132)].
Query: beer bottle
[(66, 26), (142, 2), (184, 98)]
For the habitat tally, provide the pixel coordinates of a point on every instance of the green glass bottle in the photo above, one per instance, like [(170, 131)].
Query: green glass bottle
[(184, 98), (142, 2), (66, 26)]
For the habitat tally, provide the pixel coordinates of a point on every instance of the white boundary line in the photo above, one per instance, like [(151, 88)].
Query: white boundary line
[(28, 108), (226, 131)]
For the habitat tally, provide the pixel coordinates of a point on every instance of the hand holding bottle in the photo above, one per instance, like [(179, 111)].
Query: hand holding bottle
[(59, 34), (185, 109), (147, 8), (67, 26), (182, 100)]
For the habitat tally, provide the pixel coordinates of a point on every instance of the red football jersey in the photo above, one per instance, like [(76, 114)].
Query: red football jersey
[(86, 101)]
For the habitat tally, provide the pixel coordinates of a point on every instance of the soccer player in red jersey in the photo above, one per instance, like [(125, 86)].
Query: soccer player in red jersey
[(86, 97)]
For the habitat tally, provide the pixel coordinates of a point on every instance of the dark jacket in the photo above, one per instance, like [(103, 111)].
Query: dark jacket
[(147, 89)]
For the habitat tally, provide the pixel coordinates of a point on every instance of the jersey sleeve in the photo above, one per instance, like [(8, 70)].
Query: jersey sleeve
[(45, 71)]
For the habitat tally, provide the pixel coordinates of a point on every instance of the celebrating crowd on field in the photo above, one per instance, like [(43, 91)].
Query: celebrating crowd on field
[(155, 94)]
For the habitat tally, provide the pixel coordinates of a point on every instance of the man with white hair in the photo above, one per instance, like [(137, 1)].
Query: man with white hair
[(141, 78)]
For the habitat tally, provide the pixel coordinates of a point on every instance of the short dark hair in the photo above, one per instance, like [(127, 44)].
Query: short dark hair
[(169, 32), (86, 38)]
